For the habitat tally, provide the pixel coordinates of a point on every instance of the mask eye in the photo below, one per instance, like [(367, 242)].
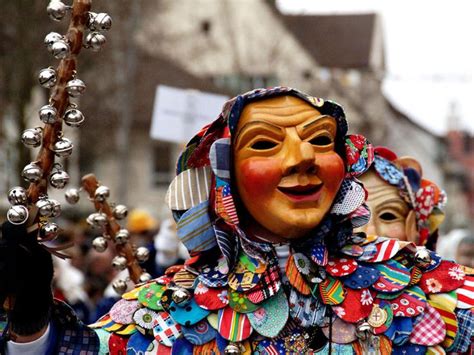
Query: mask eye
[(263, 145), (388, 216), (321, 140)]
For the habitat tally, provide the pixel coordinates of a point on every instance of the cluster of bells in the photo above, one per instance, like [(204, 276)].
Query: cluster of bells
[(99, 220), (59, 47)]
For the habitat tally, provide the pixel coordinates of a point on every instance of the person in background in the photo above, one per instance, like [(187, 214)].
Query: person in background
[(169, 250), (458, 245)]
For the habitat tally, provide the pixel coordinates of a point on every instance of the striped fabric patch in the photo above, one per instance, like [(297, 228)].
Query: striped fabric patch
[(296, 279), (331, 291), (385, 250), (189, 189), (435, 350), (195, 229), (466, 294), (393, 277), (450, 320), (446, 300), (233, 326)]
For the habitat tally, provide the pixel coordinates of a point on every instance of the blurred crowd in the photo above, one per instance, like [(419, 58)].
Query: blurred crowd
[(85, 280)]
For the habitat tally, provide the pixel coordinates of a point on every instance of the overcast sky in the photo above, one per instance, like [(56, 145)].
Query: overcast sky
[(429, 48)]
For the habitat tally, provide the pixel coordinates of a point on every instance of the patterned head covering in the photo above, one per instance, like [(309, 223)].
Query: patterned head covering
[(424, 197)]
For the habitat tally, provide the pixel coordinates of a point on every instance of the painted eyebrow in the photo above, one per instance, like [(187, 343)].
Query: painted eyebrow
[(315, 121), (248, 126)]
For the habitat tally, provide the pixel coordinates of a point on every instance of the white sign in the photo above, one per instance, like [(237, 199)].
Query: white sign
[(178, 114)]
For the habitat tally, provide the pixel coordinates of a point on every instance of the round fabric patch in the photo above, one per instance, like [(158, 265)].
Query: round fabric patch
[(145, 318), (246, 274), (268, 285), (294, 276), (435, 261), (447, 300), (213, 320), (448, 276), (200, 333), (155, 348), (122, 311), (408, 349), (215, 276), (465, 294), (233, 326), (240, 303), (394, 277), (271, 317), (429, 328), (173, 269), (166, 331), (210, 298), (132, 294), (350, 196), (104, 337), (307, 311), (150, 296), (138, 343), (117, 344), (410, 303), (385, 250), (181, 347), (356, 306), (353, 250), (359, 154), (342, 332), (450, 320), (341, 266), (331, 291), (184, 278), (188, 315), (363, 277)]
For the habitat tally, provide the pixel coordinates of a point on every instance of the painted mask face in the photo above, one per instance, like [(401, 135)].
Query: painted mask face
[(389, 210), (285, 166)]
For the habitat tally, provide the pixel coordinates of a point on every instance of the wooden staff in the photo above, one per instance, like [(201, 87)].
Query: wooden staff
[(90, 184)]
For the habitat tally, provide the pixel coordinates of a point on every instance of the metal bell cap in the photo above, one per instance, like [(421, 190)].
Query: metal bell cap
[(145, 277), (17, 214), (47, 77), (102, 193), (63, 147), (120, 212), (45, 207), (422, 257), (101, 22), (60, 49), (119, 262), (32, 172), (119, 286), (97, 219), (52, 38), (49, 231), (95, 41), (100, 244), (48, 114), (75, 87), (232, 349), (142, 254), (56, 10), (32, 137), (17, 196), (73, 117), (181, 296), (122, 236), (55, 208), (59, 179), (72, 196)]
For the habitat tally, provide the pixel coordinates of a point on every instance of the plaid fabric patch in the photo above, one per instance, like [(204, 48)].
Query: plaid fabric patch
[(429, 328), (268, 285), (219, 156), (166, 330), (451, 322), (462, 342)]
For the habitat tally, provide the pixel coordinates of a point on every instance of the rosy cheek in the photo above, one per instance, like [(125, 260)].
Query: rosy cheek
[(331, 170), (259, 176)]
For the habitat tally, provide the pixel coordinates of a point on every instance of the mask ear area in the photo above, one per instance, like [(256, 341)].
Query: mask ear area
[(409, 163), (410, 228)]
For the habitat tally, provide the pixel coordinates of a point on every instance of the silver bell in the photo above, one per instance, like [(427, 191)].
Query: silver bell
[(120, 212), (59, 179), (145, 277), (62, 147), (181, 296), (232, 349), (47, 77), (32, 137), (17, 196), (72, 196), (52, 38), (32, 172), (362, 330), (60, 49), (422, 257), (119, 262), (49, 231), (17, 214), (102, 193), (122, 236), (48, 114), (99, 244), (142, 254), (55, 208), (73, 117), (100, 22), (75, 87), (56, 10), (119, 286), (95, 41), (97, 219), (45, 207)]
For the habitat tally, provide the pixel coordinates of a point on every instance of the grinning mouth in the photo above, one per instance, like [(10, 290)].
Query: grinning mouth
[(302, 193)]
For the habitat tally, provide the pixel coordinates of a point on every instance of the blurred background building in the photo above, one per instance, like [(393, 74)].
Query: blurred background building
[(223, 47)]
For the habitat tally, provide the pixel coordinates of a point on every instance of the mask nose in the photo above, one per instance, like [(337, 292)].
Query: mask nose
[(299, 158)]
